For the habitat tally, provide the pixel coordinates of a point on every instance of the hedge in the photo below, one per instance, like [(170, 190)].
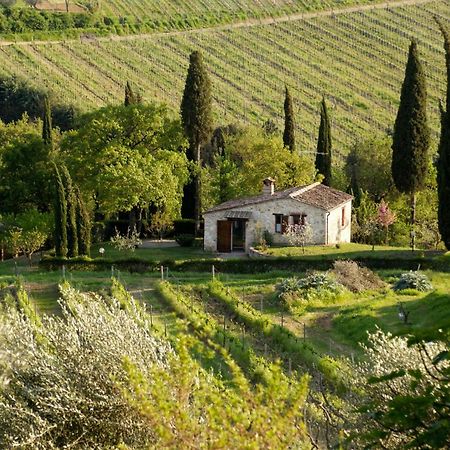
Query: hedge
[(243, 265)]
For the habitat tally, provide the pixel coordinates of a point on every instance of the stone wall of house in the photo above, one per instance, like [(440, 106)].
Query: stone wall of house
[(340, 224), (263, 218)]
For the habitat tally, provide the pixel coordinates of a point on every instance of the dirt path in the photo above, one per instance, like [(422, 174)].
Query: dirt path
[(243, 24)]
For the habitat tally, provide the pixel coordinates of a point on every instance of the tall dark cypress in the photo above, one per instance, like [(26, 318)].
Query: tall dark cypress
[(443, 163), (324, 147), (196, 117), (289, 122), (71, 224), (47, 123), (60, 208), (130, 98), (83, 225), (353, 189), (411, 138)]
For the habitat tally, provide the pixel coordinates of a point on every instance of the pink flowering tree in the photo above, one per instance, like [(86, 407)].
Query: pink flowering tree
[(385, 218)]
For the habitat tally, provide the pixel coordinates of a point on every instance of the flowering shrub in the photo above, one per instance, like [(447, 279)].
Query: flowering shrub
[(403, 394), (61, 379), (299, 235), (128, 242), (413, 280), (96, 377)]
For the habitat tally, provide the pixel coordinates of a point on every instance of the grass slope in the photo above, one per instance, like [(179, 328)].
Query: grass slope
[(356, 59)]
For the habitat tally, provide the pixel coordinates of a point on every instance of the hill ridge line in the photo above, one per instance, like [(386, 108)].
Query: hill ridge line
[(250, 23)]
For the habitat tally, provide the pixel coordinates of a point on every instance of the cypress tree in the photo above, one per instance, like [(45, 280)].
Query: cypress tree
[(60, 208), (130, 98), (83, 225), (411, 138), (323, 155), (353, 188), (47, 123), (71, 223), (196, 117), (443, 162), (289, 122)]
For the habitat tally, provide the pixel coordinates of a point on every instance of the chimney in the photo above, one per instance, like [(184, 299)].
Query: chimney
[(268, 186)]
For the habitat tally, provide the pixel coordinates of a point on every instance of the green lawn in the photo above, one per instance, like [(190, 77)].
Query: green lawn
[(151, 254), (344, 323), (349, 251)]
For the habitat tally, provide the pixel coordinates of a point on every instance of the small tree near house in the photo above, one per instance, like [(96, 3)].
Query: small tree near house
[(385, 218), (299, 235)]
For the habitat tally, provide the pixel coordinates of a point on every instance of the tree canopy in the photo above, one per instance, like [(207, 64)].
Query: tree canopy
[(128, 157)]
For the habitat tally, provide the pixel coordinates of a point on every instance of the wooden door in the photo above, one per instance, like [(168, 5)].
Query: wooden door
[(224, 236)]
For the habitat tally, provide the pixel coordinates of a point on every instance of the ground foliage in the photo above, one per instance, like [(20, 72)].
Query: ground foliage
[(99, 376), (405, 394)]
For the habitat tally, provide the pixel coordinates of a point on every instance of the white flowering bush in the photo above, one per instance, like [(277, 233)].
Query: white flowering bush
[(61, 379), (130, 241), (403, 393), (413, 280), (299, 235)]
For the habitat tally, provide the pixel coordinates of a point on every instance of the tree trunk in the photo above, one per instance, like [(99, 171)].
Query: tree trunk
[(198, 191), (67, 5), (413, 221)]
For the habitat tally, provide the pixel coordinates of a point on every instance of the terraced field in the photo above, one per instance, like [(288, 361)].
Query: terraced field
[(356, 59), (216, 10)]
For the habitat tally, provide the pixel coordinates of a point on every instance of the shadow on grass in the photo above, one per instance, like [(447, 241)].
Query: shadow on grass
[(427, 314)]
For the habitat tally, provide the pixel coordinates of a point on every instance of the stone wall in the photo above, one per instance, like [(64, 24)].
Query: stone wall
[(263, 217), (339, 232)]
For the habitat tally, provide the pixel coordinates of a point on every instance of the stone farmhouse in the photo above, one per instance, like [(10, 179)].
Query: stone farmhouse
[(233, 225)]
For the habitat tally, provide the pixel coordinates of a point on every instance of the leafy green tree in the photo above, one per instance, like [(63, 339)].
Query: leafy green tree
[(443, 163), (196, 117), (411, 138), (84, 226), (47, 124), (25, 170), (368, 167), (289, 122), (253, 156), (127, 158), (26, 232), (60, 213), (226, 179), (71, 201), (18, 97), (324, 146)]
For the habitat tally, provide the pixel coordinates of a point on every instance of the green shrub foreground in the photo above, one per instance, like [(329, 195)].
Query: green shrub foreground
[(99, 376)]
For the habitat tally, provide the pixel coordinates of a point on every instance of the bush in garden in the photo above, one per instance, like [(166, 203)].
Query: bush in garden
[(356, 278), (289, 285), (185, 240), (316, 281), (62, 379), (413, 280), (297, 293), (130, 241)]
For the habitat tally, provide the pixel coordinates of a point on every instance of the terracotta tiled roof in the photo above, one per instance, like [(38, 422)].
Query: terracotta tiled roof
[(316, 194)]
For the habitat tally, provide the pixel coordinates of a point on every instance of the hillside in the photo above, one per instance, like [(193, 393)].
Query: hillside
[(213, 11), (355, 58)]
